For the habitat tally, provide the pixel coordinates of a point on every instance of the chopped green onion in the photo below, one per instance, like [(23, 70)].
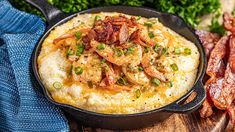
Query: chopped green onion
[(155, 48), (177, 51), (103, 61), (138, 18), (164, 51), (78, 35), (57, 85), (80, 49), (170, 84), (69, 52), (146, 50), (156, 81), (78, 70), (137, 93), (118, 52), (148, 24), (97, 18), (174, 67), (122, 81), (151, 35), (101, 46), (129, 51), (140, 68), (187, 51)]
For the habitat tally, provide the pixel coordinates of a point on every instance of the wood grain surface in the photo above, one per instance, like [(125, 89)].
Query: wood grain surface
[(175, 123)]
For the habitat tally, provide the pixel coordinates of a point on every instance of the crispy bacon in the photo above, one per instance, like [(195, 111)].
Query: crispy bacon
[(229, 22), (231, 111), (124, 33), (228, 92), (208, 40)]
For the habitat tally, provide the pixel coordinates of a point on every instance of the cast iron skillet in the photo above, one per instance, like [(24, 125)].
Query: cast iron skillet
[(55, 17)]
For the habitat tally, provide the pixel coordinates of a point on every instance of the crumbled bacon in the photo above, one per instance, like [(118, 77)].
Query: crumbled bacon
[(112, 30)]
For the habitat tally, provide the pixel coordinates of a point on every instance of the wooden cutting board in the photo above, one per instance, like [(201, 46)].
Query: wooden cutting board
[(175, 123)]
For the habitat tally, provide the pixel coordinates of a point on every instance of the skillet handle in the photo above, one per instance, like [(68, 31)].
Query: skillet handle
[(52, 14), (191, 106)]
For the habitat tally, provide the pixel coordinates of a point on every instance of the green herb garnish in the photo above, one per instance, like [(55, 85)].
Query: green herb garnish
[(57, 85), (164, 51), (137, 93), (174, 67), (170, 84), (103, 61), (101, 46), (69, 52), (118, 52), (151, 35), (187, 51), (78, 70), (97, 18), (148, 24), (80, 49), (140, 68), (155, 48), (177, 51), (122, 81), (129, 51), (156, 81), (78, 35)]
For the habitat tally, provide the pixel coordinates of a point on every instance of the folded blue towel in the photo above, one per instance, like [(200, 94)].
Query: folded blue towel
[(22, 106)]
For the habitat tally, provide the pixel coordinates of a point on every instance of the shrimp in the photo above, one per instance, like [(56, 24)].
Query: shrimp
[(71, 34), (109, 54), (89, 69), (147, 63), (110, 76), (138, 77)]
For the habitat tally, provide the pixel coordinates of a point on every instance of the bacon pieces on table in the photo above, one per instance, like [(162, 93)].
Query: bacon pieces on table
[(220, 86)]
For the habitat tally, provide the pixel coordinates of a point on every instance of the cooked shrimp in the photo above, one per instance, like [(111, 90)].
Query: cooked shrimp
[(147, 63), (87, 68), (108, 52), (71, 34), (138, 77), (110, 76)]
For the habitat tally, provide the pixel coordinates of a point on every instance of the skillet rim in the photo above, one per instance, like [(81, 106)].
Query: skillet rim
[(198, 80)]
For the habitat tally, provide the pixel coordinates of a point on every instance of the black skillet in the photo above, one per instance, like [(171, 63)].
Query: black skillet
[(55, 17)]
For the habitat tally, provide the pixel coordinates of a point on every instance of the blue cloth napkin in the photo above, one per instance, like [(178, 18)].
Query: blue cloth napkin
[(22, 106)]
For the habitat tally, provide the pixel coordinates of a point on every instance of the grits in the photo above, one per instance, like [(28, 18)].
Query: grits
[(81, 87)]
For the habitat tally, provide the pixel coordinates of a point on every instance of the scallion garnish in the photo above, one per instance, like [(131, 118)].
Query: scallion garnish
[(57, 85), (80, 49), (174, 67), (156, 81), (78, 35), (101, 46), (78, 70), (151, 35), (187, 51)]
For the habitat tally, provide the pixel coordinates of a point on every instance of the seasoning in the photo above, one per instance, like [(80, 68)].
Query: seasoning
[(78, 70), (57, 85), (101, 46), (174, 67)]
